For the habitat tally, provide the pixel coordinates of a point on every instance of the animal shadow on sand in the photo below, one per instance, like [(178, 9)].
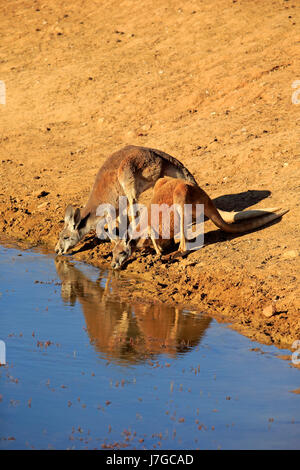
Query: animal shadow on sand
[(240, 201), (88, 243), (237, 202)]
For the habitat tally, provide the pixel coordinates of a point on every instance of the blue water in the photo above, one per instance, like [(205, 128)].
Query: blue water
[(87, 370)]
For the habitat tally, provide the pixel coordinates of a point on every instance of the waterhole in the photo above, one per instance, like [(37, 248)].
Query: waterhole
[(86, 369)]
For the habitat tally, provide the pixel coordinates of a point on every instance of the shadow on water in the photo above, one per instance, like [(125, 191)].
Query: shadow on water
[(130, 332)]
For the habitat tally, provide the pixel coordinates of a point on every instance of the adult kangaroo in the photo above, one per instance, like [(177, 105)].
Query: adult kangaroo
[(127, 172), (169, 192)]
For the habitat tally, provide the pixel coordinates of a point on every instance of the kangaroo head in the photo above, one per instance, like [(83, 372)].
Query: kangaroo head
[(67, 274), (74, 230), (121, 252)]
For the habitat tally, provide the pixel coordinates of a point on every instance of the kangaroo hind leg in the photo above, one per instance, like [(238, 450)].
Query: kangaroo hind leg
[(180, 196)]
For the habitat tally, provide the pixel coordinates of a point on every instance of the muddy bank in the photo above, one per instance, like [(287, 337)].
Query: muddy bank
[(212, 87)]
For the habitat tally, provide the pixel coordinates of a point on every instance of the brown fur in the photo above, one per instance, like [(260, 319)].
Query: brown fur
[(129, 171), (171, 191)]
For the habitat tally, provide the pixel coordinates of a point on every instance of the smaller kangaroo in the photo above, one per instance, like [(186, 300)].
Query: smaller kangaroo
[(129, 171), (171, 191)]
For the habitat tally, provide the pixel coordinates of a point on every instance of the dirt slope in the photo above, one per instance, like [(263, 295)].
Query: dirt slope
[(210, 84)]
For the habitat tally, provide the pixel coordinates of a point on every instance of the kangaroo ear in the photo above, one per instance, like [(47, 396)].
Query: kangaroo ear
[(77, 218), (69, 214), (81, 221), (131, 242)]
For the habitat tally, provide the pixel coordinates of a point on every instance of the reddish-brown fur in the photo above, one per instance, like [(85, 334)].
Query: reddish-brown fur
[(171, 191), (129, 172)]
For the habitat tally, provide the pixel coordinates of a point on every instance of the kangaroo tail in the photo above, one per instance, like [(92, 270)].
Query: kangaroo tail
[(245, 226), (231, 217)]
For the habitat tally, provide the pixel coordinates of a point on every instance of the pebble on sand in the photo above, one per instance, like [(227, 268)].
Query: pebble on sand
[(269, 310)]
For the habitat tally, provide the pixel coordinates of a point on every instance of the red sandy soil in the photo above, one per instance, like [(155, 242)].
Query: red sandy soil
[(207, 82)]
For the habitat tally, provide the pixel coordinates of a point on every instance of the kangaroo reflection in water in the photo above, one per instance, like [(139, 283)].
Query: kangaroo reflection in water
[(128, 332)]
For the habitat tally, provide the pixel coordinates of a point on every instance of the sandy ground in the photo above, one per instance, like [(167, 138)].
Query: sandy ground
[(210, 84)]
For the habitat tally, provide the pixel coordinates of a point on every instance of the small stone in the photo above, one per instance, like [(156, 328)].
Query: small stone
[(43, 194), (290, 254), (269, 311), (40, 194), (43, 205)]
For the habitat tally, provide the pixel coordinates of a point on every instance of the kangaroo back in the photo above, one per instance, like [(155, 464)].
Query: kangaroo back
[(130, 171), (173, 167)]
